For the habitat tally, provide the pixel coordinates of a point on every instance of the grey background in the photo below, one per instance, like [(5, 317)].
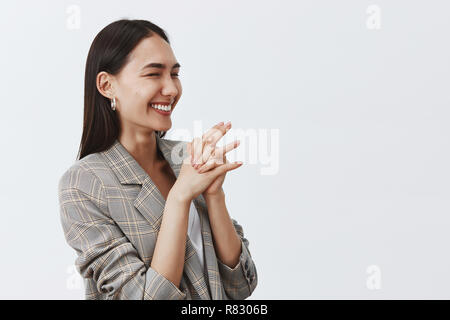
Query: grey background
[(362, 115)]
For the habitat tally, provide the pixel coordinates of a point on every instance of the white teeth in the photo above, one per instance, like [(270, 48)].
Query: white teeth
[(161, 107)]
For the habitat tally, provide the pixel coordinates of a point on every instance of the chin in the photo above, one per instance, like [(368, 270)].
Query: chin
[(162, 128)]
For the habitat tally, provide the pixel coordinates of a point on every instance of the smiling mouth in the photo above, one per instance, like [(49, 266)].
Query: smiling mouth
[(162, 109)]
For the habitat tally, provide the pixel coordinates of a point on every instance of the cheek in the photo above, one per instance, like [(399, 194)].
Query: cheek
[(144, 93), (180, 90), (179, 86), (135, 89), (134, 104), (138, 97)]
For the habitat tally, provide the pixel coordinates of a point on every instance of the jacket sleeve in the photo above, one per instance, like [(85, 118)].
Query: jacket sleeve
[(239, 282), (104, 252)]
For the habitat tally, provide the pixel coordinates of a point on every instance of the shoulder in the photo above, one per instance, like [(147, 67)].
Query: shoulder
[(80, 188), (83, 174)]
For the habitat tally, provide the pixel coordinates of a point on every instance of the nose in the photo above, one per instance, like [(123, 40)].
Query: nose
[(169, 88)]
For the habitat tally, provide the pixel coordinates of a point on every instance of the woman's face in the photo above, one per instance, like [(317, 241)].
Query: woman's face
[(138, 85)]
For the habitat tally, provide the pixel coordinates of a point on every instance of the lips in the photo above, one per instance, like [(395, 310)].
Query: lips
[(160, 106), (162, 112), (162, 103)]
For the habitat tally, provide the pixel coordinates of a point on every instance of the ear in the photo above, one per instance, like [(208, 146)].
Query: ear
[(104, 83)]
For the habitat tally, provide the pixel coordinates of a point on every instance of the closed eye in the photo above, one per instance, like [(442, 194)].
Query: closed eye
[(158, 74)]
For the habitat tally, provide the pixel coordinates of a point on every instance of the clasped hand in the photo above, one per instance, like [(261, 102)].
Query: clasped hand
[(204, 170)]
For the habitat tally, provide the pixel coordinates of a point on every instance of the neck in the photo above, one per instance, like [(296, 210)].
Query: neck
[(143, 148)]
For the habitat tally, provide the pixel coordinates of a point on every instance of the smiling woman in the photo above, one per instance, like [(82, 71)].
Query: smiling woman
[(118, 70), (144, 224)]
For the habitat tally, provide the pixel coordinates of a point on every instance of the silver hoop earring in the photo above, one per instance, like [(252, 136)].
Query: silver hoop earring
[(113, 103)]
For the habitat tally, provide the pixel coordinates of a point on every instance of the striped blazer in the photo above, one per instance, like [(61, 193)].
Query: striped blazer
[(111, 212)]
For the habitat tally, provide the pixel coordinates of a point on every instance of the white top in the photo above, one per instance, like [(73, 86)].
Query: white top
[(195, 231)]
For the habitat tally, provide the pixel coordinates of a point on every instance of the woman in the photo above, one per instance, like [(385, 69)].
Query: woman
[(146, 215)]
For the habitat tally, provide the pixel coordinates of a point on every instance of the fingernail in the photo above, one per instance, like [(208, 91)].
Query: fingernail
[(238, 162), (220, 123)]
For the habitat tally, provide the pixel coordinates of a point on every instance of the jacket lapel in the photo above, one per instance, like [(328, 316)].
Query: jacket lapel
[(150, 203)]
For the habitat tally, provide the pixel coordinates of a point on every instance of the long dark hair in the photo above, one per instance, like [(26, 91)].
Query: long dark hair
[(109, 52)]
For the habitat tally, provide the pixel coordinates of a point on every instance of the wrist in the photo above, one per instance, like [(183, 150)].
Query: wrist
[(216, 195), (179, 195)]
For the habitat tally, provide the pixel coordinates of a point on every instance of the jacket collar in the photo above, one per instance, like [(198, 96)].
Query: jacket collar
[(150, 203), (128, 170)]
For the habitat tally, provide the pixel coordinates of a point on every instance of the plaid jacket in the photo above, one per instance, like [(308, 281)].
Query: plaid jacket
[(111, 212)]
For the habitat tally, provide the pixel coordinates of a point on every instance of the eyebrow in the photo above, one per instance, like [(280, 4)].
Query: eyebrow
[(160, 65)]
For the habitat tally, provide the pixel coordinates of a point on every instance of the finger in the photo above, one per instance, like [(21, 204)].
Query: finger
[(220, 151), (197, 144), (207, 134), (208, 149), (191, 152), (208, 143), (217, 160), (226, 167), (210, 164), (217, 134), (188, 151)]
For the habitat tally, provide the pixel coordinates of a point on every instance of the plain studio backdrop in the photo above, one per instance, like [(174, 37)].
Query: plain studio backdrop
[(344, 191)]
